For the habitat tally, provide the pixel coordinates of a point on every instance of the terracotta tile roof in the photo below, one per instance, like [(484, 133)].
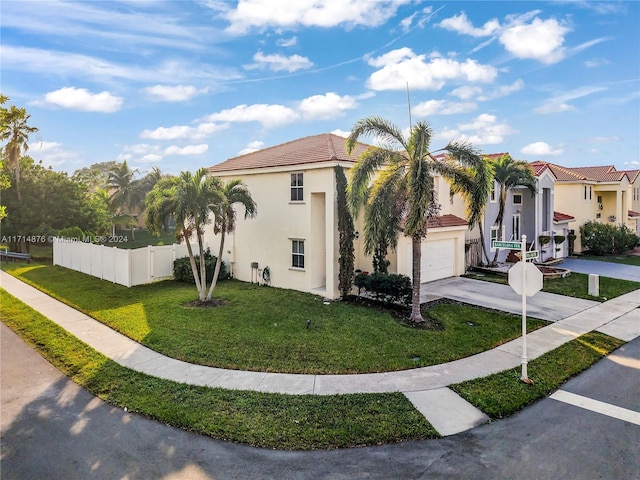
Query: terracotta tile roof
[(326, 147), (539, 167), (604, 173), (633, 214), (448, 220), (562, 217), (632, 174)]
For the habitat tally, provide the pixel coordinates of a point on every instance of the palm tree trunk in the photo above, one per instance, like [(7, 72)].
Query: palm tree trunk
[(484, 247), (192, 261), (218, 264), (203, 270), (416, 246)]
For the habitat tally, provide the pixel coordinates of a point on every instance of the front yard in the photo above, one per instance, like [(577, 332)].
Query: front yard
[(276, 330)]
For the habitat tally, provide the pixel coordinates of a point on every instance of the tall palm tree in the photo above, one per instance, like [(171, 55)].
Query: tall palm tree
[(189, 198), (510, 173), (474, 185), (14, 130), (127, 190), (233, 193), (403, 188)]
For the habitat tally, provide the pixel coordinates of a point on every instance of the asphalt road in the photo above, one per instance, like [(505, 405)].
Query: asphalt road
[(604, 269), (53, 429)]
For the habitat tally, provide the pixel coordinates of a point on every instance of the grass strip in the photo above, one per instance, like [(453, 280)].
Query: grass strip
[(304, 422), (272, 329), (502, 394)]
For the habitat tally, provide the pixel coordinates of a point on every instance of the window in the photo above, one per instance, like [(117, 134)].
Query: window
[(515, 226), (493, 236), (297, 253), (297, 188), (493, 197), (588, 191), (517, 199)]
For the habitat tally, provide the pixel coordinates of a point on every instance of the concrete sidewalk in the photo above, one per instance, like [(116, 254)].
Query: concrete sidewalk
[(425, 387)]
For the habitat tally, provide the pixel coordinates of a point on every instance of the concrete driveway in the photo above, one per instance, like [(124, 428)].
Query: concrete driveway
[(545, 306), (604, 269)]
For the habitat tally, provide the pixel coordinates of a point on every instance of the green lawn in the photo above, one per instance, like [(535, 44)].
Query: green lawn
[(624, 259), (267, 420), (265, 329), (503, 393), (575, 285)]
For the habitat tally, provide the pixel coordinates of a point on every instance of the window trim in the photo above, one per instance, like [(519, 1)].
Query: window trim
[(519, 195), (514, 217), (297, 254), (493, 230), (493, 195), (295, 187)]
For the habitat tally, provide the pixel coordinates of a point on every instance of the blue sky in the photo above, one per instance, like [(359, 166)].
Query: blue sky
[(185, 84)]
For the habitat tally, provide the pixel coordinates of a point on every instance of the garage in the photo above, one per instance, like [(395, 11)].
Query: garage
[(438, 259)]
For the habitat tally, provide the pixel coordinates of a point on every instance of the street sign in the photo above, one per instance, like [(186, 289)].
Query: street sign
[(532, 278), (511, 245), (532, 254)]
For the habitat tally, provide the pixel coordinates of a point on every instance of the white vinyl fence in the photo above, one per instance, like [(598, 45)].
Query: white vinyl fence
[(117, 265)]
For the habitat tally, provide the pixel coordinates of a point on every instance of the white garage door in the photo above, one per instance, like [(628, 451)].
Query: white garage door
[(438, 260)]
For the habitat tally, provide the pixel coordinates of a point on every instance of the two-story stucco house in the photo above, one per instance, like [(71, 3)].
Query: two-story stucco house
[(601, 194), (524, 214), (295, 233)]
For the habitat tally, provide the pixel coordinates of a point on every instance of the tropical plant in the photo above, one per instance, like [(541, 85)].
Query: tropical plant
[(15, 131), (602, 238), (4, 184), (474, 185), (403, 193), (510, 173), (127, 192), (189, 199), (346, 235)]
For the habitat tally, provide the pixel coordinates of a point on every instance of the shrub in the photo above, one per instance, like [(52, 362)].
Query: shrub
[(182, 268), (385, 286), (72, 232), (603, 239)]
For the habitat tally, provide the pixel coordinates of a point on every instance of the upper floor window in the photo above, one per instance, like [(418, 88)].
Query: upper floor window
[(493, 196), (297, 253), (588, 191), (517, 199), (297, 187)]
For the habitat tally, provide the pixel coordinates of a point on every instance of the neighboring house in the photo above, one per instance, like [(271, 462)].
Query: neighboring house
[(524, 214), (601, 194), (634, 194), (295, 233)]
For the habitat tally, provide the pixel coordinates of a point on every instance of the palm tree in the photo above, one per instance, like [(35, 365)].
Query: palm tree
[(189, 198), (403, 189), (127, 191), (15, 131), (234, 192), (474, 185), (510, 173)]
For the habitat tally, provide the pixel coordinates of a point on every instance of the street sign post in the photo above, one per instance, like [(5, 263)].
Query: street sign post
[(526, 280), (532, 254), (511, 245)]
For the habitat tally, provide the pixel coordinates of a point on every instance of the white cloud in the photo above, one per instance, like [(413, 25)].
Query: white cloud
[(403, 65), (341, 133), (329, 105), (502, 91), (540, 40), (169, 93), (267, 115), (484, 130), (559, 103), (141, 149), (83, 100), (596, 62), (287, 42), (461, 24), (51, 153), (176, 132), (150, 158), (615, 138), (443, 107), (188, 150), (541, 149), (466, 92), (290, 14), (278, 62), (252, 147)]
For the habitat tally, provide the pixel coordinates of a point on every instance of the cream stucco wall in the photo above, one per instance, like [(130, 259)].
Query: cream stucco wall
[(267, 238)]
